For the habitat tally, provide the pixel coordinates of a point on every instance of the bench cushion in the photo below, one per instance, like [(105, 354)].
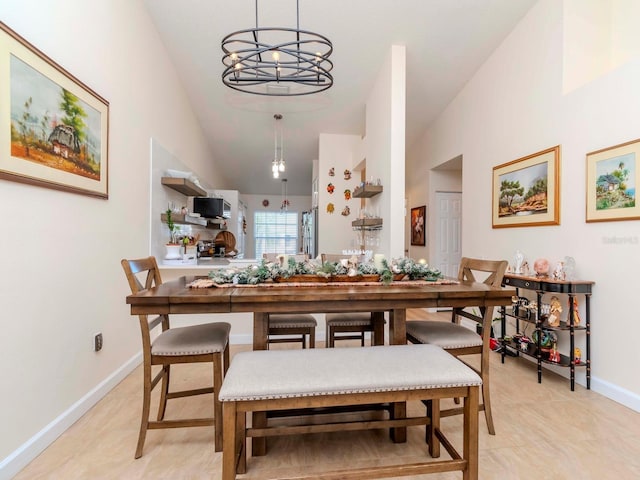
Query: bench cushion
[(277, 374)]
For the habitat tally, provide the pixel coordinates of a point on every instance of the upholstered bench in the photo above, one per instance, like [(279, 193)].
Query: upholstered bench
[(261, 381)]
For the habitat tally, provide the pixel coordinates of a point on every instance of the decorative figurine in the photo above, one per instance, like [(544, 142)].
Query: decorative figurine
[(330, 188), (347, 174), (330, 208), (577, 355), (518, 260), (558, 272), (332, 172), (347, 194), (576, 313), (555, 308), (554, 355), (345, 211), (541, 267)]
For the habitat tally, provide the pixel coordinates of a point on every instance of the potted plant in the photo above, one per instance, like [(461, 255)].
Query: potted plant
[(173, 247)]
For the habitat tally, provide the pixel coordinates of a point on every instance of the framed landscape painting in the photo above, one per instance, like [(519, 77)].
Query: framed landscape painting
[(526, 191), (612, 175), (54, 132)]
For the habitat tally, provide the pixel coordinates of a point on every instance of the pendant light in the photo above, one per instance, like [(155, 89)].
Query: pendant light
[(278, 165)]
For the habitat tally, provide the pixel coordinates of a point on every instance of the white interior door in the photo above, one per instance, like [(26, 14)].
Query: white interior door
[(449, 232)]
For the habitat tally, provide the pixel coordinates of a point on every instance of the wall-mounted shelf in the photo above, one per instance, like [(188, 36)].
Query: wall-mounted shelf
[(367, 223), (216, 224), (182, 219), (367, 191), (184, 186)]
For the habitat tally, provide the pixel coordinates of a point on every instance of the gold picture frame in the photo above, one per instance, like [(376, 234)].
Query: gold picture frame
[(612, 176), (418, 225), (54, 132), (526, 191)]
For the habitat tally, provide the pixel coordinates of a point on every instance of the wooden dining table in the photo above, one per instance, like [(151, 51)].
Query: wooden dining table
[(177, 297)]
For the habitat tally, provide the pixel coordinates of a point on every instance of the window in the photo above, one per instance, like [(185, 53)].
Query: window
[(276, 232)]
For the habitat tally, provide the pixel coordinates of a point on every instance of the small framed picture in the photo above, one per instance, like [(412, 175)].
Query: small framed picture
[(612, 175), (418, 223)]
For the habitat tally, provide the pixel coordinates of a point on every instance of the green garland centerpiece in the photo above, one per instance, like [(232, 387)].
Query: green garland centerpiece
[(275, 271)]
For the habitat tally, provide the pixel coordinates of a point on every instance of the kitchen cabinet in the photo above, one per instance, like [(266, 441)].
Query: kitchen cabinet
[(537, 314)]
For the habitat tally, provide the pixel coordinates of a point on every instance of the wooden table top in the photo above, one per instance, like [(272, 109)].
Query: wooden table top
[(176, 297)]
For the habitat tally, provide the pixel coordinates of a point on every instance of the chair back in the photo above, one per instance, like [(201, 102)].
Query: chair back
[(494, 270), (147, 266), (145, 269), (336, 257)]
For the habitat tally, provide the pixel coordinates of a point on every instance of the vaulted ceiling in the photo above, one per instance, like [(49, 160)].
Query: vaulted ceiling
[(446, 42)]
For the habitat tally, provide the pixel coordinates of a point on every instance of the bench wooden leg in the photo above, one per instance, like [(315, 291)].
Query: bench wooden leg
[(229, 448), (433, 412), (259, 444), (398, 410), (470, 446)]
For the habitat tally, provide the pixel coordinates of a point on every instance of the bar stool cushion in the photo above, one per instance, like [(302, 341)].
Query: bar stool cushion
[(291, 320), (447, 335), (349, 319), (192, 340)]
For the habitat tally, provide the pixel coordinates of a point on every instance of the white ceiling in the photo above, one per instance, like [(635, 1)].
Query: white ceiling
[(446, 41)]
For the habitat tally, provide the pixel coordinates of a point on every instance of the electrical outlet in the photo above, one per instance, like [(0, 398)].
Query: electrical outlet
[(97, 342)]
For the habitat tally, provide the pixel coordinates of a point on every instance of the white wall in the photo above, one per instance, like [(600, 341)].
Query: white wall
[(385, 148), (513, 107), (64, 283), (381, 153), (339, 152)]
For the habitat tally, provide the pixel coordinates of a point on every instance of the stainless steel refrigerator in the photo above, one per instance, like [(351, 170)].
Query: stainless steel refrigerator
[(310, 232)]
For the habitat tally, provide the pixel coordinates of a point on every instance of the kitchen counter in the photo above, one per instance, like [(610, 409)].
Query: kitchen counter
[(209, 263)]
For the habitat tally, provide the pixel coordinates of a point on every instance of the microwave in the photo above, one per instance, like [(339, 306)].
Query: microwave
[(209, 207)]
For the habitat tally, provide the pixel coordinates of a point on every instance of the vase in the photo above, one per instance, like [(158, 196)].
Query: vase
[(518, 262), (173, 252)]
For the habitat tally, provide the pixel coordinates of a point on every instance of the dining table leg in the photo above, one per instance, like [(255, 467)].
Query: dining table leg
[(378, 328), (398, 336), (260, 342)]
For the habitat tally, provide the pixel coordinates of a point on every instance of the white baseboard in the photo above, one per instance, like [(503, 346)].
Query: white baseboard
[(29, 450), (615, 393)]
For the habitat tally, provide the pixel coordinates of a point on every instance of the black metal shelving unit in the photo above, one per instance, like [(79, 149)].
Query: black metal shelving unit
[(542, 285)]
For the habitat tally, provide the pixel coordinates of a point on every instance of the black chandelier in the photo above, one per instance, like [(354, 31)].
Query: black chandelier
[(277, 61)]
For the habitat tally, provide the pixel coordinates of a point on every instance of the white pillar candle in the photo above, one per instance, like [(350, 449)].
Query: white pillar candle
[(377, 260)]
